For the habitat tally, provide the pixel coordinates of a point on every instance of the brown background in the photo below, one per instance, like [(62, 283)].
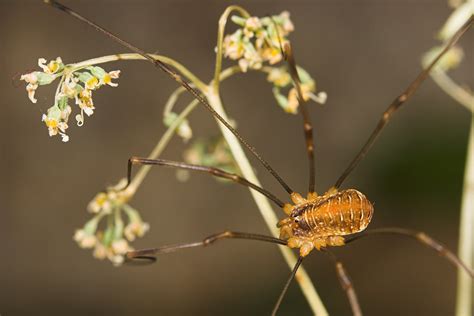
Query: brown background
[(362, 53)]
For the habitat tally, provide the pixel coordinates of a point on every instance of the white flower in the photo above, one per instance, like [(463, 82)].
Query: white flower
[(55, 126), (279, 77), (252, 25), (287, 25), (234, 45), (100, 202), (32, 80), (293, 103), (116, 260), (52, 67), (84, 239), (120, 246), (107, 78), (136, 229), (84, 100), (100, 251)]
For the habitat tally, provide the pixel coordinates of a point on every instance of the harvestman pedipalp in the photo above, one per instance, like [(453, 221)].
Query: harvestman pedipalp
[(317, 221)]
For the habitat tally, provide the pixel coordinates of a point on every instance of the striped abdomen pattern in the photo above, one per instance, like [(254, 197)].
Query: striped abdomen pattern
[(346, 212)]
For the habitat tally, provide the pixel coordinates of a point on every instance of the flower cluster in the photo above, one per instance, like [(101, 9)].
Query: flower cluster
[(76, 83), (258, 40), (113, 241), (281, 79)]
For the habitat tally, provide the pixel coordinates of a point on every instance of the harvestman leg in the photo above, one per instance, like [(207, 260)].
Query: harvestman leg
[(212, 171), (342, 275), (346, 284), (421, 237), (173, 74), (153, 252), (307, 125), (399, 101), (287, 285)]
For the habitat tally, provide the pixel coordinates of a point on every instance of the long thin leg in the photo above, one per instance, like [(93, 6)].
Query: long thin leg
[(151, 253), (307, 125), (213, 171), (346, 284), (422, 238), (287, 285), (399, 101), (173, 74)]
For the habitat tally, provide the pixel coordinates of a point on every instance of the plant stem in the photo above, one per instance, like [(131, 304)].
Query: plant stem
[(264, 206), (220, 40), (466, 224), (461, 95), (466, 231)]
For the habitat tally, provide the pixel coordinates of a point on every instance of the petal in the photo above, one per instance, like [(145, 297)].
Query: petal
[(64, 137), (42, 64), (114, 74), (31, 88)]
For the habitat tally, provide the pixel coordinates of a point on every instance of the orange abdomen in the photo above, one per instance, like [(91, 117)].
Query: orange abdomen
[(346, 212)]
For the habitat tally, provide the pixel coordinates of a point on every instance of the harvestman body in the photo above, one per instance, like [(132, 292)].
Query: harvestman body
[(318, 221), (321, 221)]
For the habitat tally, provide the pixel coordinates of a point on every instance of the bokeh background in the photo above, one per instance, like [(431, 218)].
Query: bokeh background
[(361, 53)]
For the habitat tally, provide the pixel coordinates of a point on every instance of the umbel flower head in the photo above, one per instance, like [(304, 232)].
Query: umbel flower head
[(112, 241), (75, 84), (259, 41)]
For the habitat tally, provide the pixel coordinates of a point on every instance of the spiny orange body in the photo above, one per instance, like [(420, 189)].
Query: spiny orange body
[(321, 221)]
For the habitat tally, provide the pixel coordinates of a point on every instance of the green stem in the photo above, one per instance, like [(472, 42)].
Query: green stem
[(265, 208), (132, 56), (220, 39)]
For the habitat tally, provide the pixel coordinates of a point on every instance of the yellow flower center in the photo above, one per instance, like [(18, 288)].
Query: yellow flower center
[(51, 123), (92, 83), (101, 199), (107, 79), (53, 66)]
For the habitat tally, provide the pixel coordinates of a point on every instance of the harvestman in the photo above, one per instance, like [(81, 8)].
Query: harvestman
[(317, 221)]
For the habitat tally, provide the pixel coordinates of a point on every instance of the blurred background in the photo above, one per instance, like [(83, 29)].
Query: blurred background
[(362, 54)]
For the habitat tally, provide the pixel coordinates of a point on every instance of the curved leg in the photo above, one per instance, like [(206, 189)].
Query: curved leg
[(287, 285), (151, 253), (174, 75), (421, 237), (399, 101), (346, 284), (212, 171)]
